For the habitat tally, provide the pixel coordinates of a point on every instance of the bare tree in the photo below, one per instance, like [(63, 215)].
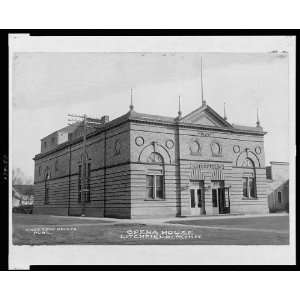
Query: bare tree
[(18, 177)]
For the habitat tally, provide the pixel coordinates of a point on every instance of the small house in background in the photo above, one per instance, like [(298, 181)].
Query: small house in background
[(278, 186), (22, 195)]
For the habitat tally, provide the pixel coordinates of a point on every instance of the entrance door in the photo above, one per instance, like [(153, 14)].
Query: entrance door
[(197, 198), (220, 199)]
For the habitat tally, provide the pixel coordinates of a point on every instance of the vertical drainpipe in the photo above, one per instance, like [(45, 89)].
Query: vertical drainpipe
[(69, 200), (104, 177)]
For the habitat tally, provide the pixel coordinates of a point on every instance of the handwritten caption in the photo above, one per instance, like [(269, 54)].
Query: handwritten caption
[(140, 234), (49, 230)]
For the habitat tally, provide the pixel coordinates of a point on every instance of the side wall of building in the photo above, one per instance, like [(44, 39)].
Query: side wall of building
[(108, 155)]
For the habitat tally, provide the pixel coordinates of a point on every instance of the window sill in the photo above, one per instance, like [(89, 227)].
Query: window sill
[(250, 198), (155, 200)]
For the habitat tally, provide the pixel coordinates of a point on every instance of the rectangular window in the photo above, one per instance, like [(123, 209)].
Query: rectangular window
[(154, 186), (192, 199), (79, 183), (214, 198), (245, 186), (252, 188), (279, 197), (199, 194), (150, 186), (159, 187), (88, 195)]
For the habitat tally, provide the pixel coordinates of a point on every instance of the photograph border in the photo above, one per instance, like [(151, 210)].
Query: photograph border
[(145, 32)]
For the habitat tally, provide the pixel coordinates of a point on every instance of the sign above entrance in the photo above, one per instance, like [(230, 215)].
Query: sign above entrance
[(208, 166)]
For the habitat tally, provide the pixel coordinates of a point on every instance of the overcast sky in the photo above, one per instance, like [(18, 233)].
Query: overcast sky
[(48, 86)]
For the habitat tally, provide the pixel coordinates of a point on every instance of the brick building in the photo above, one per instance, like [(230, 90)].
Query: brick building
[(141, 165)]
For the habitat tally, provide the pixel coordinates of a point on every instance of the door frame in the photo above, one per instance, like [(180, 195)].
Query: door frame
[(195, 186), (223, 205)]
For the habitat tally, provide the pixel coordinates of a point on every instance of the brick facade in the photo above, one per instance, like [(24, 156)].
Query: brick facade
[(201, 148)]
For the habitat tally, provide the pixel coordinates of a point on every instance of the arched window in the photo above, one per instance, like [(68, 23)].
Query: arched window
[(249, 179), (155, 178)]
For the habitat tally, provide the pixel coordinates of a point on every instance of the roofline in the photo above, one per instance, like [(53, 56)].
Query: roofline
[(212, 111), (134, 117)]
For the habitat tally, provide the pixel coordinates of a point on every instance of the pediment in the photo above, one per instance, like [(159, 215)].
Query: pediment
[(206, 116)]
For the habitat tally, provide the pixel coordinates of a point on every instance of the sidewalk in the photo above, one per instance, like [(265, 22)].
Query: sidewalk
[(169, 219)]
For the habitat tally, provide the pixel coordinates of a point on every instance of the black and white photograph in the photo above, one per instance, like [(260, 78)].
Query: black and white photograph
[(124, 146)]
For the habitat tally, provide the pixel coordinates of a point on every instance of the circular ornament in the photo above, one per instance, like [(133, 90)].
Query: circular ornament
[(236, 149), (169, 144), (258, 150), (215, 148), (139, 141), (195, 147)]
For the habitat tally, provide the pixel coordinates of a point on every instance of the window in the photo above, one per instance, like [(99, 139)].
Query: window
[(88, 196), (252, 187), (79, 183), (214, 198), (245, 186), (249, 189), (154, 186), (85, 191), (159, 186), (279, 197), (192, 199), (149, 186), (45, 144), (199, 194)]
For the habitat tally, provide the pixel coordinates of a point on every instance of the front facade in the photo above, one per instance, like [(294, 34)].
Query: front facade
[(141, 165)]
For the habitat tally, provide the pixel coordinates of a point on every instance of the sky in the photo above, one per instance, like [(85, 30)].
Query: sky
[(46, 86)]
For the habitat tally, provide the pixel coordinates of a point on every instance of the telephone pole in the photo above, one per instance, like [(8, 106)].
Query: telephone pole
[(84, 122)]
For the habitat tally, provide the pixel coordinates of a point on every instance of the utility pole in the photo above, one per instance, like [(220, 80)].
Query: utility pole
[(84, 122)]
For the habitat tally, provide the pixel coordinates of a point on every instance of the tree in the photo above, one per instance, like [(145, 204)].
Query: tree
[(18, 177)]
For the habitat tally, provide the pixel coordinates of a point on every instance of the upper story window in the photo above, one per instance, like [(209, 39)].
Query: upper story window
[(45, 144)]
